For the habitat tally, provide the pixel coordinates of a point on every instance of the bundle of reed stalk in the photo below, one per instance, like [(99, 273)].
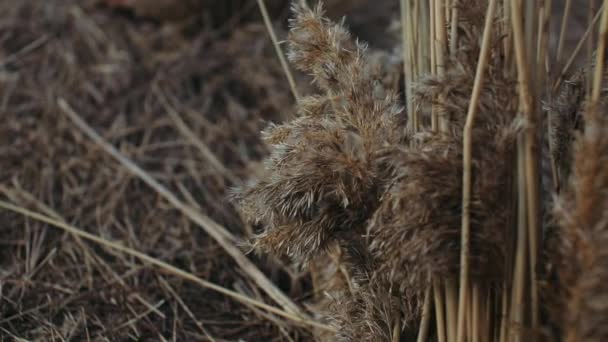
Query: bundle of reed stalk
[(437, 209)]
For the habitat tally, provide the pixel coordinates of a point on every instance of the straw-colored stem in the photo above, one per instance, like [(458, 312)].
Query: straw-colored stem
[(224, 238), (601, 52), (578, 48), (451, 308), (440, 49), (508, 40), (433, 47), (396, 330), (204, 150), (588, 80), (165, 267), (454, 29), (563, 29), (519, 274), (425, 323), (469, 315), (543, 39), (414, 21), (426, 39), (475, 332), (407, 66), (467, 167), (439, 311), (279, 51), (530, 163)]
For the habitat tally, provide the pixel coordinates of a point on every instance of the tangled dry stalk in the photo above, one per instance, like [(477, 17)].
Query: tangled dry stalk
[(463, 201)]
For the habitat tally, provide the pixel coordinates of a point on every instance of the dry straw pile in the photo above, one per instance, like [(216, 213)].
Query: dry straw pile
[(462, 197)]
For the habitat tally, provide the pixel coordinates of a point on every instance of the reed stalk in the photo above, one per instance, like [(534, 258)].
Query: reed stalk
[(467, 168)]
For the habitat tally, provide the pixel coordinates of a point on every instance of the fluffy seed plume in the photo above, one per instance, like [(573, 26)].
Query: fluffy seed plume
[(416, 230), (582, 212), (344, 174), (322, 180)]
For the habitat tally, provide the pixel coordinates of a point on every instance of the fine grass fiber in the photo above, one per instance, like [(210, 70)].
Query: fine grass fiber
[(263, 170)]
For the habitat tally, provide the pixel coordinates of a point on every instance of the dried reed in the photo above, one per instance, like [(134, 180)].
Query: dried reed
[(426, 221)]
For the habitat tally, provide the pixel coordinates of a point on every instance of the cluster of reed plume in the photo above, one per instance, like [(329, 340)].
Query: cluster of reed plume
[(436, 210)]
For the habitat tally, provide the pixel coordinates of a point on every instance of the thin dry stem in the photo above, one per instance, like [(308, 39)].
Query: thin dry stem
[(600, 58), (467, 167), (160, 264), (563, 29), (407, 65), (279, 51), (425, 320), (476, 301), (454, 29), (216, 231), (441, 41), (519, 273), (451, 300), (565, 71), (439, 310)]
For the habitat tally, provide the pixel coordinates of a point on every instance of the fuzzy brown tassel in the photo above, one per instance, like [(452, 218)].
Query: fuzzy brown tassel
[(343, 174), (583, 216), (322, 182), (416, 230)]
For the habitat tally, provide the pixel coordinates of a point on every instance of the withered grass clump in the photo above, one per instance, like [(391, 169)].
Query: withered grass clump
[(347, 172)]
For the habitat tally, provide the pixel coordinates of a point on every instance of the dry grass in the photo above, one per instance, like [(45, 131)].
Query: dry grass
[(123, 77), (462, 201)]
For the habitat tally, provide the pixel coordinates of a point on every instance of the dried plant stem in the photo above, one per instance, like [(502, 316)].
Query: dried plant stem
[(601, 52), (469, 315), (413, 21), (439, 311), (563, 30), (440, 50), (216, 231), (204, 150), (454, 29), (396, 330), (519, 274), (425, 323), (475, 332), (467, 168), (408, 65), (279, 51), (160, 264), (588, 80), (451, 301), (433, 50), (543, 39), (530, 166), (578, 48), (426, 39), (508, 40)]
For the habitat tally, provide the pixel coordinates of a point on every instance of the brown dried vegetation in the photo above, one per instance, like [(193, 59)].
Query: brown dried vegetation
[(344, 173), (580, 259), (367, 207)]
